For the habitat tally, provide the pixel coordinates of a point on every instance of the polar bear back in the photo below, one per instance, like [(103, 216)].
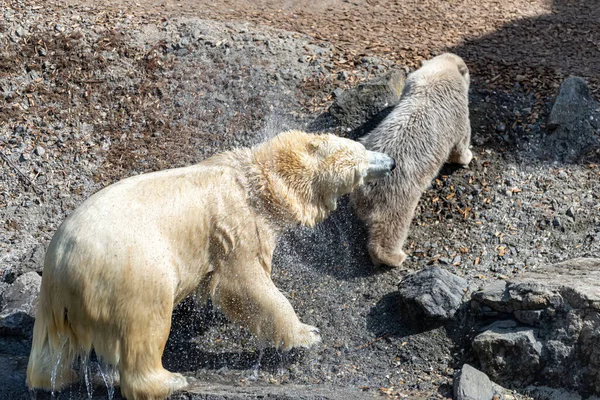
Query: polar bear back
[(157, 223), (422, 129)]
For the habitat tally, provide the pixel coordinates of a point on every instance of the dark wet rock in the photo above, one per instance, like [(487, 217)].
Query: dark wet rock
[(432, 292), (573, 134), (553, 333), (472, 384), (12, 377), (355, 106), (509, 352), (18, 305)]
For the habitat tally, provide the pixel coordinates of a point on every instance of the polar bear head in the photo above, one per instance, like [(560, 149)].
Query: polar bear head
[(306, 174), (446, 60)]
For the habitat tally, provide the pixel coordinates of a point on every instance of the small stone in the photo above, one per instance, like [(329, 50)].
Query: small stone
[(20, 31), (520, 78), (570, 212), (500, 128), (343, 75), (40, 151), (556, 222), (563, 175)]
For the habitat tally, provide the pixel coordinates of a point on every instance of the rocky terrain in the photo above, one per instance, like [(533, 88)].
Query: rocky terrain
[(94, 93)]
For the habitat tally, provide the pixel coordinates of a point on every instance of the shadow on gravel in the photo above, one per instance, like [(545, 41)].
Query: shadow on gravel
[(183, 354), (546, 47), (387, 319), (337, 246)]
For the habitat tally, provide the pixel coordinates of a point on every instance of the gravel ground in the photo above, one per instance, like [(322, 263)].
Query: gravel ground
[(91, 94)]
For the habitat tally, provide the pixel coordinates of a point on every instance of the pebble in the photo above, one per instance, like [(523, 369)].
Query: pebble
[(570, 212), (444, 260), (40, 151), (556, 222), (563, 175)]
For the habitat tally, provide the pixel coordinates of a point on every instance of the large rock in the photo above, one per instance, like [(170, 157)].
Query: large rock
[(432, 292), (572, 103), (18, 305), (353, 107), (509, 353), (557, 306), (472, 384), (574, 120)]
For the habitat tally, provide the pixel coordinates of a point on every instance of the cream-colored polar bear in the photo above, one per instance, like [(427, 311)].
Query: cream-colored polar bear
[(429, 126), (120, 262)]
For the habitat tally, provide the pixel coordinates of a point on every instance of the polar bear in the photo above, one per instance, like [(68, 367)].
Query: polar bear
[(429, 126), (120, 262)]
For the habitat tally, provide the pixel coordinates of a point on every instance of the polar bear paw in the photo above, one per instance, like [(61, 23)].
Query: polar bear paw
[(303, 336), (380, 257), (463, 158)]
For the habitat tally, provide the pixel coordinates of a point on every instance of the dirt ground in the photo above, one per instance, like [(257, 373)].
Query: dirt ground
[(536, 43), (96, 91)]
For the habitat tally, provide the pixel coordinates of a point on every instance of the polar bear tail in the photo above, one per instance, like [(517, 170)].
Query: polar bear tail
[(53, 349)]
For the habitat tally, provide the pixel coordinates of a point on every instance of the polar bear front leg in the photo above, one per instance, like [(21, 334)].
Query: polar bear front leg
[(250, 298), (461, 154)]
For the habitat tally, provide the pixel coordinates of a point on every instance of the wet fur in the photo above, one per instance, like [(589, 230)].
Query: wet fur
[(119, 263), (428, 127)]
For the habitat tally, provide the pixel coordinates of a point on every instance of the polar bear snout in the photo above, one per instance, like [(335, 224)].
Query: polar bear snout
[(380, 165)]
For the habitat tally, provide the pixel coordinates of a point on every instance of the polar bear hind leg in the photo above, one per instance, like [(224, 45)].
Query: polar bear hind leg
[(388, 229), (144, 333)]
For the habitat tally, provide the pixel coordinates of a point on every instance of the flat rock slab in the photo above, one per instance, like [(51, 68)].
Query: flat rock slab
[(553, 329), (578, 280), (217, 391)]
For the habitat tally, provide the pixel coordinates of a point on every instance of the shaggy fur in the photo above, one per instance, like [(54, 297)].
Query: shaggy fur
[(119, 263), (428, 127)]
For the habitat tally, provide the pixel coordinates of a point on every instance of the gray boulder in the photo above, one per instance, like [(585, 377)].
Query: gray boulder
[(432, 292), (472, 384), (573, 121), (354, 107), (18, 305), (572, 103), (553, 332), (508, 352)]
